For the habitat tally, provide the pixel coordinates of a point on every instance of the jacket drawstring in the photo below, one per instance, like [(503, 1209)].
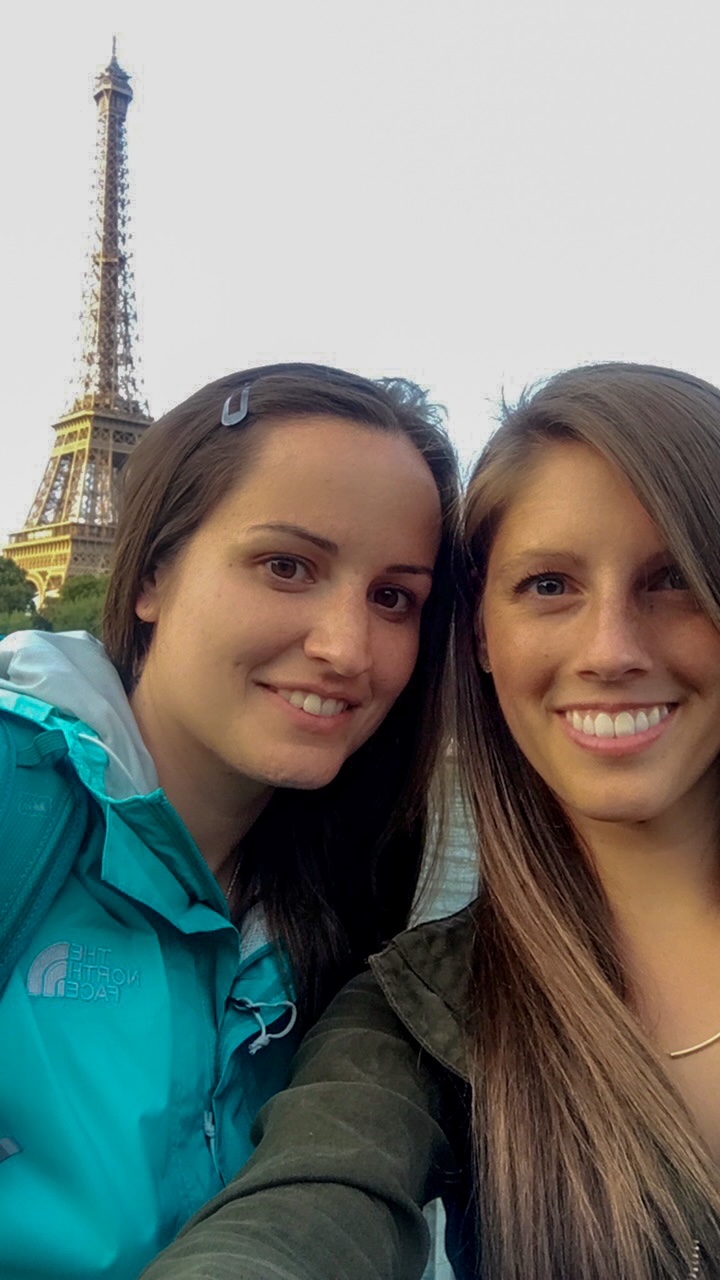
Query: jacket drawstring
[(98, 742), (9, 1147), (265, 1036), (209, 1131)]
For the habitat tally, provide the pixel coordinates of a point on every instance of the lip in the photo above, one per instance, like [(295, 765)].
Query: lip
[(632, 744), (616, 708), (315, 726)]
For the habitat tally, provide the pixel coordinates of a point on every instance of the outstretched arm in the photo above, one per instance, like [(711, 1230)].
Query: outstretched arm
[(350, 1152)]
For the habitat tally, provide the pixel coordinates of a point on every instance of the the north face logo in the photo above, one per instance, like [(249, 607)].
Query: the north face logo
[(69, 971)]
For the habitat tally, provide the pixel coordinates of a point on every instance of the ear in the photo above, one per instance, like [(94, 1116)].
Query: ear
[(147, 605), (481, 642)]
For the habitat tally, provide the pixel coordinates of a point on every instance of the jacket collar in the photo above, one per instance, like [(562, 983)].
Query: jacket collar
[(425, 976)]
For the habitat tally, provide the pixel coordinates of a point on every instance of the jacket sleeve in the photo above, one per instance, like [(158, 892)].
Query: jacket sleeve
[(349, 1154)]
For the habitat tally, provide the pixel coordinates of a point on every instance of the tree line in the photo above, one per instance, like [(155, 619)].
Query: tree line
[(77, 607)]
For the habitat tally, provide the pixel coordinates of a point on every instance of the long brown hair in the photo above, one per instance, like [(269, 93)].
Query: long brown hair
[(335, 870), (589, 1165)]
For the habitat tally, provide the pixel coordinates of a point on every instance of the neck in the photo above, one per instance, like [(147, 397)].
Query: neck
[(217, 804), (662, 880), (661, 873), (217, 816)]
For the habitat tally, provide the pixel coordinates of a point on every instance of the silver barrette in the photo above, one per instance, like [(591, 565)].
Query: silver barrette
[(230, 419)]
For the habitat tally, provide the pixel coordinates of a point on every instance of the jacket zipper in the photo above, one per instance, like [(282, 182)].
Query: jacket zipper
[(210, 1131)]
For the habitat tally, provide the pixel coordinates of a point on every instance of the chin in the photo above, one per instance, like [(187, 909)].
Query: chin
[(617, 811), (298, 779), (621, 817)]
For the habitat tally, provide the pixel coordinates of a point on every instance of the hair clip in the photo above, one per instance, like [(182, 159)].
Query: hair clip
[(233, 419)]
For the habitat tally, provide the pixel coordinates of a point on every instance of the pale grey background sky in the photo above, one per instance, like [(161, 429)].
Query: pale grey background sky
[(470, 193)]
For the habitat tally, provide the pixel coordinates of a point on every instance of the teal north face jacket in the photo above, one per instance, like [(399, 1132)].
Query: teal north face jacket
[(375, 1124), (140, 1031)]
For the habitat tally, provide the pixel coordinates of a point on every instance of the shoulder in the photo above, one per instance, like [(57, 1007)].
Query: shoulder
[(425, 975), (349, 1152), (43, 826), (438, 954)]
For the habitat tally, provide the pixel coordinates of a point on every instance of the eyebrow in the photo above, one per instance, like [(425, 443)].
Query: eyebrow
[(297, 531), (332, 548), (518, 562), (538, 553)]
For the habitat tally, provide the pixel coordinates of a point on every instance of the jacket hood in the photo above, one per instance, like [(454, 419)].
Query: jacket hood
[(72, 672)]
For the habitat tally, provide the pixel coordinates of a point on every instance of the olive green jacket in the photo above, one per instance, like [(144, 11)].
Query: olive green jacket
[(374, 1125)]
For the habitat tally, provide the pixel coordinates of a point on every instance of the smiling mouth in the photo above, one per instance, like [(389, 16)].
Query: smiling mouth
[(312, 703), (625, 724)]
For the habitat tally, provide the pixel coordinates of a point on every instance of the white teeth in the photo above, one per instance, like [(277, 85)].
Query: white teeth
[(604, 726), (332, 707), (623, 725), (312, 703)]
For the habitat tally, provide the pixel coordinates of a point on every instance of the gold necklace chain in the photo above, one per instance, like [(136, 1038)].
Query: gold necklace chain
[(233, 879), (694, 1048)]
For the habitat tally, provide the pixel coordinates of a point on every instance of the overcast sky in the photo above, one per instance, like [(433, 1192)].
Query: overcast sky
[(471, 194)]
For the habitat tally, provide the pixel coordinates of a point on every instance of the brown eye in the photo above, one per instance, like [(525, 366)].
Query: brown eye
[(284, 567), (392, 599)]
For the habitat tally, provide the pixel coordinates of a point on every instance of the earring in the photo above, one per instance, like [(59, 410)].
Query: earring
[(482, 655)]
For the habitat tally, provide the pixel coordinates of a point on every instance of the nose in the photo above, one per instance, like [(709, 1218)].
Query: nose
[(340, 634), (616, 642)]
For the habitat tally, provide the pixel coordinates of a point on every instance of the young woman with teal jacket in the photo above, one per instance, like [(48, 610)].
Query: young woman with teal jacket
[(256, 739)]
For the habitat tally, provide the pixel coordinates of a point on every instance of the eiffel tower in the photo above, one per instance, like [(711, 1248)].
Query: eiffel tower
[(71, 524)]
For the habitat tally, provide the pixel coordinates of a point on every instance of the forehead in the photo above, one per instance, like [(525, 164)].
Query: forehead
[(318, 467), (571, 495)]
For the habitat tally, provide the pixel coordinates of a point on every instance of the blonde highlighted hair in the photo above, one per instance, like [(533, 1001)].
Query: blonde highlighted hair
[(589, 1166)]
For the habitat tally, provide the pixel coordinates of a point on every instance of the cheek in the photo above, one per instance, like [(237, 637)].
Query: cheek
[(697, 651), (517, 650), (523, 673), (396, 662), (505, 651)]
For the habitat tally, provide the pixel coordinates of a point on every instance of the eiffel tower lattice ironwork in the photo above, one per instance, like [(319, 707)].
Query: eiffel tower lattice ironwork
[(71, 524)]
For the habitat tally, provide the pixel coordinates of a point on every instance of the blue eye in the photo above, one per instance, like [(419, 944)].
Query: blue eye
[(548, 585), (671, 578)]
